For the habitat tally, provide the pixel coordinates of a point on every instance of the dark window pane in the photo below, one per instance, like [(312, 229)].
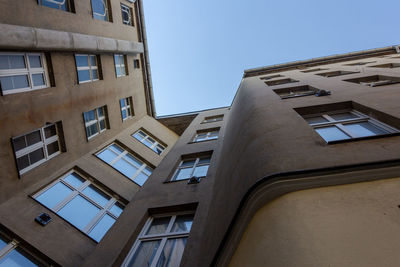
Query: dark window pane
[(38, 80), (158, 225), (54, 195), (102, 124), (343, 116), (102, 227), (34, 61), (23, 162), (317, 119), (17, 62), (19, 143), (204, 160), (53, 148), (79, 212), (95, 75), (183, 223), (50, 131), (36, 155), (74, 179), (331, 133), (96, 195), (4, 63), (14, 82), (92, 130), (89, 116), (145, 253), (83, 75), (33, 138), (172, 252), (187, 163), (93, 61)]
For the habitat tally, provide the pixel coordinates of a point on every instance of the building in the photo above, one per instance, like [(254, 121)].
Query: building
[(301, 169)]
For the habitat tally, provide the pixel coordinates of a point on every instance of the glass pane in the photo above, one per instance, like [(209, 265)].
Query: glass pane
[(52, 148), (102, 124), (3, 243), (204, 160), (54, 195), (138, 136), (14, 82), (317, 119), (4, 64), (148, 170), (141, 178), (102, 227), (92, 130), (16, 259), (144, 254), (38, 79), (331, 133), (171, 254), (343, 116), (96, 195), (116, 209), (33, 138), (93, 61), (100, 112), (116, 59), (117, 148), (17, 62), (118, 70), (79, 212), (183, 223), (36, 155), (200, 171), (50, 131), (123, 72), (19, 143), (187, 163), (363, 129), (34, 61), (122, 102), (158, 149), (183, 174), (95, 75), (125, 168), (61, 6), (147, 143), (158, 225), (107, 155), (81, 61), (74, 179), (23, 162), (124, 115), (89, 116), (83, 75), (133, 160)]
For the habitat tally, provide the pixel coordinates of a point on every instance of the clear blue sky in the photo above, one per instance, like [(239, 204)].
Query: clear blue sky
[(199, 49)]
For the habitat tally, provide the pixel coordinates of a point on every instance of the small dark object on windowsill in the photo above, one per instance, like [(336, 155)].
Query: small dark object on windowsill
[(43, 219), (194, 180), (322, 93)]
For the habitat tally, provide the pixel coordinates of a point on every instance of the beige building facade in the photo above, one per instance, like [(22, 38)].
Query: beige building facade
[(301, 169)]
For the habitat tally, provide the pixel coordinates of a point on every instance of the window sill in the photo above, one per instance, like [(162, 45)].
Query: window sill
[(362, 138)]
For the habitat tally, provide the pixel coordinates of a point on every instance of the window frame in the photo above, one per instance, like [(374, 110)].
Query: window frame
[(90, 68), (107, 10), (195, 165), (120, 156), (208, 137), (215, 118), (120, 66), (103, 211), (69, 6), (128, 101), (14, 244), (96, 121), (361, 117), (28, 71), (125, 8), (142, 237), (147, 136), (42, 144)]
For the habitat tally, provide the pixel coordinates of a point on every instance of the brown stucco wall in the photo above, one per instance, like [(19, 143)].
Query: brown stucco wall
[(348, 225)]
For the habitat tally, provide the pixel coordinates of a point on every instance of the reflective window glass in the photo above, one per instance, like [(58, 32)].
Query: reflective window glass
[(158, 226), (79, 212), (53, 196), (102, 227), (331, 133)]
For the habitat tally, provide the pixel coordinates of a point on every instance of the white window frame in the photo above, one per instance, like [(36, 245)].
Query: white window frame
[(79, 191), (120, 66), (195, 165), (97, 121), (339, 123), (120, 156), (128, 106), (26, 71), (163, 237), (89, 68), (128, 10), (209, 136), (147, 136), (213, 118), (41, 144)]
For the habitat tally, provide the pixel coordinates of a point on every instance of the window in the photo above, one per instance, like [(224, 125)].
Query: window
[(205, 135), (34, 148), (374, 81), (336, 73), (95, 121), (161, 242), (126, 108), (360, 63), (21, 72), (297, 91), (101, 10), (346, 124), (136, 64), (81, 203), (125, 163), (190, 167), (270, 77), (86, 66), (127, 15), (11, 254), (387, 65), (213, 118), (120, 68), (149, 141), (280, 81), (65, 5), (312, 70)]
